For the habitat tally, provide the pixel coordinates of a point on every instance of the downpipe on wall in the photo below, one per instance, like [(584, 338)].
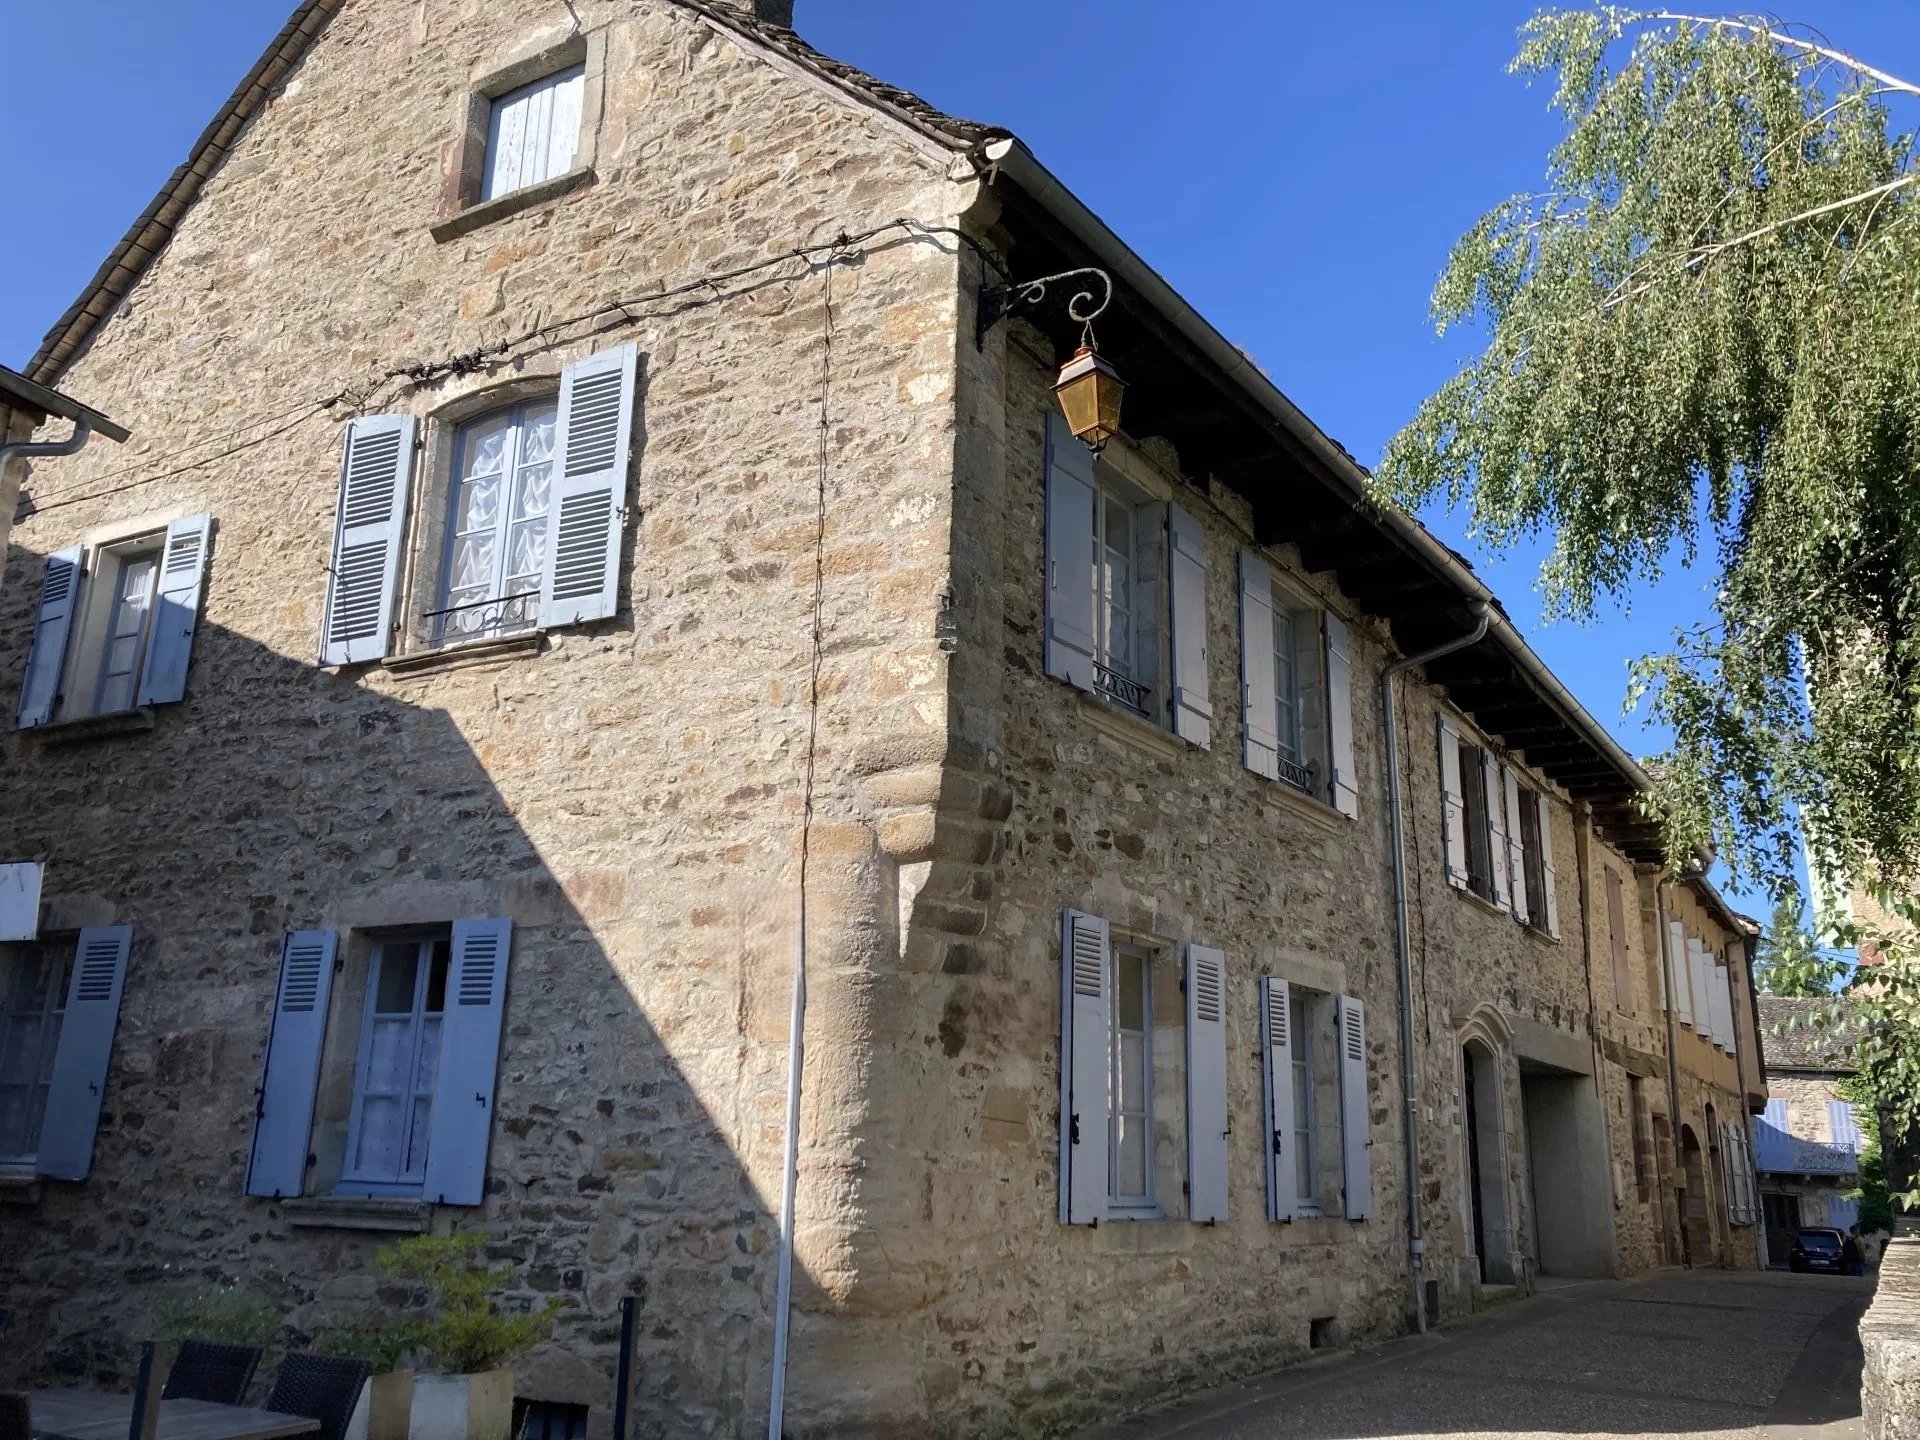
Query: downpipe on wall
[(41, 449), (1403, 949)]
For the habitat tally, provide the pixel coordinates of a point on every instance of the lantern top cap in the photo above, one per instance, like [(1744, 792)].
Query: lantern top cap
[(1086, 361)]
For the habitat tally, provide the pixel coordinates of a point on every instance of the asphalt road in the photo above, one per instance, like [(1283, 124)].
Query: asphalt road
[(1707, 1353)]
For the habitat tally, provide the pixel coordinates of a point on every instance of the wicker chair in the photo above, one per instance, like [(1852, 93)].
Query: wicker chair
[(205, 1370), (16, 1416), (321, 1387)]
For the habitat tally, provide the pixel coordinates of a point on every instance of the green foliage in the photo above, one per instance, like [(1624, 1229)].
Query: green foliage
[(221, 1313), (1702, 338), (1790, 961), (384, 1341), (1876, 1203), (462, 1332)]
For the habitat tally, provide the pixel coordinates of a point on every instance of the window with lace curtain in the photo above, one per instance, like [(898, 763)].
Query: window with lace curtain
[(498, 499)]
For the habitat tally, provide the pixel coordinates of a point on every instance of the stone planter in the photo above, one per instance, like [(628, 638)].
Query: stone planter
[(462, 1407), (384, 1409)]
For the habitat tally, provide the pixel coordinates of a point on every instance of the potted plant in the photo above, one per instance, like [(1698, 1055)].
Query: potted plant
[(385, 1408), (463, 1340)]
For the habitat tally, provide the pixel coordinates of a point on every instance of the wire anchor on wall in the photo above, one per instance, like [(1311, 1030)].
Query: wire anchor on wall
[(999, 301)]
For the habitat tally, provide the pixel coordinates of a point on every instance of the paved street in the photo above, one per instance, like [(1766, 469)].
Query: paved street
[(1706, 1353)]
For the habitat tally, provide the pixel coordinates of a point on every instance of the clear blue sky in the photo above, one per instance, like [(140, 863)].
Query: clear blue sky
[(1297, 171)]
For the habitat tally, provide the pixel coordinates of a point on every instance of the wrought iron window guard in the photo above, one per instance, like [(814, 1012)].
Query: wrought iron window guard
[(1117, 687), (1299, 776), (502, 615)]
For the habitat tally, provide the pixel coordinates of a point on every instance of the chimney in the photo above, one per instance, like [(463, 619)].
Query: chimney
[(767, 12)]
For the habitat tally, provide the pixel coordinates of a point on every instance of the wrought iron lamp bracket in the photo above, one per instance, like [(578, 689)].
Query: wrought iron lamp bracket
[(999, 301)]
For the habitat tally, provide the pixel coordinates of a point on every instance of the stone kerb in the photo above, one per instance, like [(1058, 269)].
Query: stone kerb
[(1890, 1341)]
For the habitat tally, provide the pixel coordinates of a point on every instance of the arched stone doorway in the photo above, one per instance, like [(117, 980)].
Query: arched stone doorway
[(1490, 1223), (1695, 1217)]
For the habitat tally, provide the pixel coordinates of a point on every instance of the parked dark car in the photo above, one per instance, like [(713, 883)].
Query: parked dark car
[(1816, 1249)]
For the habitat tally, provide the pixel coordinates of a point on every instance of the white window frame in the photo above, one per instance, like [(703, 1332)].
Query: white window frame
[(119, 603), (1306, 1097), (354, 1179), (500, 613), (559, 96), (1300, 657), (14, 959), (1117, 1203), (1136, 680)]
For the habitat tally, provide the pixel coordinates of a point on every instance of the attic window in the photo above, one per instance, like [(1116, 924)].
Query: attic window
[(533, 133)]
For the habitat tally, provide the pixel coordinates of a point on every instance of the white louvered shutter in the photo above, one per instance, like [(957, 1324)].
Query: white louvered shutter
[(1069, 555), (463, 1097), (1356, 1121), (1259, 687), (1516, 845), (369, 538), (1453, 804), (176, 611), (1679, 972), (1276, 1084), (1340, 750), (1723, 1004), (1085, 1065), (290, 1078), (1206, 1083), (594, 447), (78, 1083), (1842, 1125), (1550, 885), (1496, 802), (1702, 989), (59, 596), (1187, 593)]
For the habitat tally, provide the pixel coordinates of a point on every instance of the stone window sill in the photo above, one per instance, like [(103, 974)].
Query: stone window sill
[(1284, 797), (1480, 901), (501, 206), (1535, 933), (458, 657), (92, 727), (351, 1212), (1131, 729)]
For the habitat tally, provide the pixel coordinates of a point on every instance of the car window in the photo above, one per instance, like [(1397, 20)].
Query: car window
[(1819, 1240)]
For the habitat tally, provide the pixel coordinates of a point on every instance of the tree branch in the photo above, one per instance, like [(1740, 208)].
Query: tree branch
[(1781, 37)]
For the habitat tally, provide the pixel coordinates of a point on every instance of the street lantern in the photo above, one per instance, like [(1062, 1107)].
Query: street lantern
[(1089, 392)]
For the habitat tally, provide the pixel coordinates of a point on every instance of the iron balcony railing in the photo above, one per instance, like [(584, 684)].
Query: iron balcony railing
[(484, 619), (1118, 688)]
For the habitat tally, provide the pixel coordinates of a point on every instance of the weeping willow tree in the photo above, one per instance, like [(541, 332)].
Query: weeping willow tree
[(1702, 342)]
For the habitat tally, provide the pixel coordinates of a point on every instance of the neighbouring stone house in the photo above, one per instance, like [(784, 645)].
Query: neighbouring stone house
[(1807, 1142), (421, 741)]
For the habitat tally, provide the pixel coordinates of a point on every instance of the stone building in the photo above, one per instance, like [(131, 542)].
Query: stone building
[(1225, 938), (1807, 1142)]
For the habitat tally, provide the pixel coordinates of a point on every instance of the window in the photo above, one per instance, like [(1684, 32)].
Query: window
[(1299, 693), (1473, 792), (114, 628), (548, 1420), (1128, 539), (1306, 1128), (498, 498), (533, 133), (33, 994), (1533, 857), (398, 1067), (1131, 1119)]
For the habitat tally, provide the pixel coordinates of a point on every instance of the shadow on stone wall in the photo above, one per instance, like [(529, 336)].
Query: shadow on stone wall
[(282, 796)]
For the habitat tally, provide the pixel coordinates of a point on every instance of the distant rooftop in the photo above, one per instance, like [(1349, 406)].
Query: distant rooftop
[(1795, 1035)]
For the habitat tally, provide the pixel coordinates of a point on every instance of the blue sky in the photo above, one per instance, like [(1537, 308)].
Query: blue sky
[(1297, 171)]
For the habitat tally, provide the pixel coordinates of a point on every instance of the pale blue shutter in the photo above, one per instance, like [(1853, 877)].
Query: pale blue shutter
[(1341, 754), (79, 1080), (1187, 594), (1069, 556), (1680, 972), (582, 580), (59, 596), (462, 1122), (1206, 1083), (1842, 1125), (1453, 804), (283, 1118), (1549, 881), (1356, 1120), (1516, 846), (176, 609), (1086, 1062), (376, 476), (1276, 1076), (1259, 686), (1494, 798)]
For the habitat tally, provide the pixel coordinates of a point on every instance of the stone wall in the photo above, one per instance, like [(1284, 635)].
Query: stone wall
[(1890, 1343), (630, 795)]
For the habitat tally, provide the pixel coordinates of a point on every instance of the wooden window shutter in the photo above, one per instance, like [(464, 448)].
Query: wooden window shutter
[(1259, 686), (1340, 748), (1702, 992), (463, 1097), (176, 611), (1679, 972), (1085, 1064), (1187, 594), (80, 1060), (1206, 1083), (1069, 556), (59, 597), (369, 537), (1549, 885), (1356, 1121), (1453, 804), (1516, 845), (1276, 1084), (595, 447), (1496, 812), (1617, 936), (290, 1076)]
